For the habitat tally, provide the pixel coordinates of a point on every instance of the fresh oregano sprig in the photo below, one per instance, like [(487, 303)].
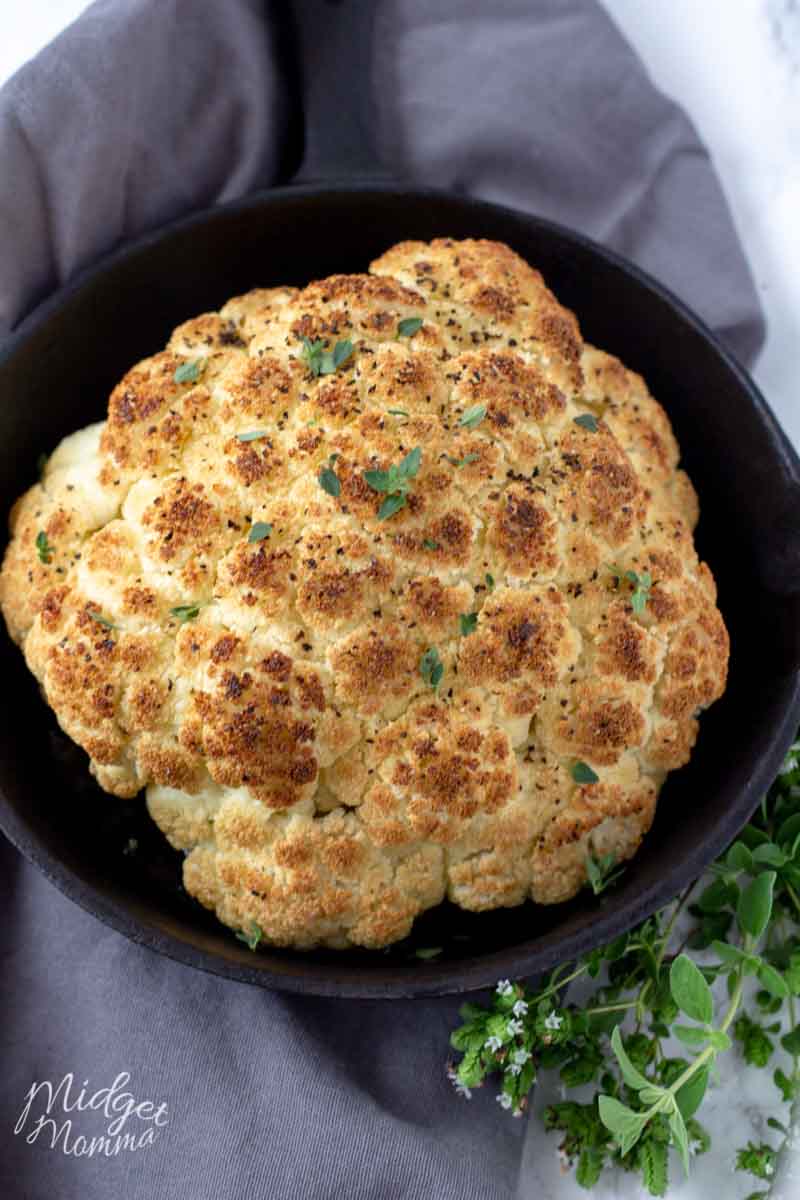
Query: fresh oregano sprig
[(321, 361), (43, 547), (602, 873), (395, 483), (642, 583), (647, 990)]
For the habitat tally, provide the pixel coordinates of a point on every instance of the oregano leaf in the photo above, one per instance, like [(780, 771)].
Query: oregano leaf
[(680, 1137), (689, 1097), (632, 1077), (755, 904), (690, 991)]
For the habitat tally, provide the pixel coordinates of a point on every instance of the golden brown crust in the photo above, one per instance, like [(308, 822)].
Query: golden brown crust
[(212, 625)]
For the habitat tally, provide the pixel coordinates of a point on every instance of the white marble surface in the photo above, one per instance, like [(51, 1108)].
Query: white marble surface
[(735, 66)]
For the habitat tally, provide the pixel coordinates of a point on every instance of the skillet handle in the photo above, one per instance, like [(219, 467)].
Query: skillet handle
[(333, 40)]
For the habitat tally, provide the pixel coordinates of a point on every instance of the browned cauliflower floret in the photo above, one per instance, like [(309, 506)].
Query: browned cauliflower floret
[(349, 691)]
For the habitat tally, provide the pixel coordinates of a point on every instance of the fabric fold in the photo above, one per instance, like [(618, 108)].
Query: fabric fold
[(141, 111)]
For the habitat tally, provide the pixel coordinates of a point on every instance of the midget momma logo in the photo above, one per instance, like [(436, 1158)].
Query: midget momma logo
[(85, 1123)]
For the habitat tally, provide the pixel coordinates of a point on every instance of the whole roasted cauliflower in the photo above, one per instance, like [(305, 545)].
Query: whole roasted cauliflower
[(383, 589)]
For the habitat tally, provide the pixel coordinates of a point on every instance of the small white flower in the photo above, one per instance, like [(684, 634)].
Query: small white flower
[(769, 1169), (520, 1007), (515, 1068), (461, 1088), (517, 1112), (553, 1021), (493, 1042), (503, 1100), (520, 1057), (504, 987), (514, 1027)]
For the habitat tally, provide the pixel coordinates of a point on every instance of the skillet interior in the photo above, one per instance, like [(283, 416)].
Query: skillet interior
[(55, 376)]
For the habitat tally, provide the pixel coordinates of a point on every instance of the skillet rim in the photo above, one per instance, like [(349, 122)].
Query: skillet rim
[(422, 979)]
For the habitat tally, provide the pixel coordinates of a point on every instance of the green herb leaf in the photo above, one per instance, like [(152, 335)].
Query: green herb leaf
[(258, 531), (757, 1160), (462, 462), (680, 1137), (653, 1160), (379, 481), (690, 991), (189, 372), (732, 956), (641, 593), (391, 505), (185, 612), (43, 547), (251, 937), (341, 353), (768, 1003), (473, 416), (791, 1042), (632, 1077), (429, 544), (431, 667), (752, 836), (770, 855), (489, 581), (468, 623), (690, 1035), (788, 832), (739, 857), (328, 479), (397, 412), (582, 773), (101, 620), (428, 952), (787, 1087), (642, 584), (411, 463), (712, 927), (395, 483), (587, 421), (324, 362), (312, 353), (755, 904), (600, 873), (773, 981), (252, 435), (590, 1165), (717, 895), (625, 1124), (409, 326), (757, 1048)]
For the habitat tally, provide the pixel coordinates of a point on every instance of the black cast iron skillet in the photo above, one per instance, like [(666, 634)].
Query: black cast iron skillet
[(55, 375)]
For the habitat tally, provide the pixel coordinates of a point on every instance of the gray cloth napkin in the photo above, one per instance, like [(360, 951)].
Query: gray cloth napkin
[(146, 109)]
